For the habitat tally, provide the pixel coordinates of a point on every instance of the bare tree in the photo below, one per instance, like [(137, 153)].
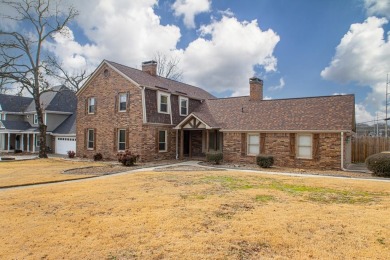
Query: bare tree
[(73, 80), (22, 53), (168, 67)]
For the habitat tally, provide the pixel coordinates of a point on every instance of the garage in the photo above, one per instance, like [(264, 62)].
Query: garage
[(65, 144)]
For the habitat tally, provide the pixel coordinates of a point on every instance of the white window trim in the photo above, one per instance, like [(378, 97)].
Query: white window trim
[(166, 141), (159, 94), (180, 99), (35, 119), (93, 136), (119, 102), (248, 144), (118, 141), (89, 105), (311, 146)]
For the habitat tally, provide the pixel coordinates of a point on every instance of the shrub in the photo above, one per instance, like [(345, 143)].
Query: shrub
[(98, 157), (379, 164), (18, 151), (216, 157), (71, 154), (127, 158), (265, 161)]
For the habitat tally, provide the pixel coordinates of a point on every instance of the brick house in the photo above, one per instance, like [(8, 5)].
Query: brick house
[(125, 108)]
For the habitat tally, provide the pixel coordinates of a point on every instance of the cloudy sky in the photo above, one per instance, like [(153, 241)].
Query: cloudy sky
[(299, 48)]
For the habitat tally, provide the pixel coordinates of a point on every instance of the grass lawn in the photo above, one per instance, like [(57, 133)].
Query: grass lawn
[(197, 215), (38, 171)]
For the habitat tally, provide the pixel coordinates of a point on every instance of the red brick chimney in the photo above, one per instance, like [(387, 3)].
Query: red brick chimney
[(150, 67), (256, 89)]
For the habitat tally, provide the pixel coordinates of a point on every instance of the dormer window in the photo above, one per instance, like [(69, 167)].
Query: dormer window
[(183, 106), (163, 103), (35, 119), (91, 105)]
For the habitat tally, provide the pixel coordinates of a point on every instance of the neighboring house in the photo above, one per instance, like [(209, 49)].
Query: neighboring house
[(19, 121), (123, 108)]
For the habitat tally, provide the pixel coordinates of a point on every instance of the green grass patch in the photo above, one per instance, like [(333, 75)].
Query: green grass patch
[(264, 198)]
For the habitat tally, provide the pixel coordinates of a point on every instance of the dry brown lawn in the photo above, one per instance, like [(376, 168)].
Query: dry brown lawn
[(39, 171), (197, 215)]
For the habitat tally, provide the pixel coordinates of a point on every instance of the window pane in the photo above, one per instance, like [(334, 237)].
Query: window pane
[(183, 111), (304, 140), (163, 107), (161, 137), (122, 146), (253, 139), (304, 152), (122, 135), (253, 149), (161, 147), (123, 98), (92, 101), (164, 99), (122, 102)]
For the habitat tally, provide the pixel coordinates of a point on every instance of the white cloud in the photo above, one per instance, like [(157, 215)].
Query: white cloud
[(267, 98), (338, 94), (278, 87), (378, 7), (362, 115), (189, 9), (363, 57), (227, 12), (224, 56)]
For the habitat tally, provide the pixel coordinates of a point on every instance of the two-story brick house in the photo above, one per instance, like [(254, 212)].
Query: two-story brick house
[(125, 108)]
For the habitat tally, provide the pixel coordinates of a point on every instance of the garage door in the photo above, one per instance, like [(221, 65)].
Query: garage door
[(65, 144)]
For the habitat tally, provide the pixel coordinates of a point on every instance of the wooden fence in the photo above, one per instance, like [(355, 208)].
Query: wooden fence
[(364, 146)]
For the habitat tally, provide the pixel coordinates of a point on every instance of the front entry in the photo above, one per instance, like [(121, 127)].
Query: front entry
[(17, 142), (186, 144)]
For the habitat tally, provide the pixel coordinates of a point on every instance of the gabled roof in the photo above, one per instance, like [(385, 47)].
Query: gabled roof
[(68, 126), (9, 103), (61, 99), (329, 113), (167, 85), (16, 125)]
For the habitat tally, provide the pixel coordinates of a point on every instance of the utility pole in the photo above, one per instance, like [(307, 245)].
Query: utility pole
[(387, 102)]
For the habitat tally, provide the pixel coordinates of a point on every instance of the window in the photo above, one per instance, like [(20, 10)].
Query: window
[(253, 144), (304, 147), (37, 142), (162, 141), (183, 106), (91, 139), (163, 103), (35, 119), (91, 105), (122, 102), (121, 139)]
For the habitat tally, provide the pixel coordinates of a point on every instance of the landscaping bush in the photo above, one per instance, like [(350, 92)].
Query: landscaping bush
[(18, 151), (71, 154), (127, 158), (379, 164), (216, 157), (265, 161), (98, 157)]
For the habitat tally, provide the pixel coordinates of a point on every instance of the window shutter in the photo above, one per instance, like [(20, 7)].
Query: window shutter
[(94, 138), (127, 138), (86, 106), (128, 101), (292, 145), (115, 139), (243, 144), (116, 106), (262, 143), (168, 140), (85, 138), (316, 146), (95, 106), (156, 141)]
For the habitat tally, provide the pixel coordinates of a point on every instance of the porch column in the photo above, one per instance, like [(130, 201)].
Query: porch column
[(9, 141), (207, 140), (22, 145), (28, 142), (181, 143)]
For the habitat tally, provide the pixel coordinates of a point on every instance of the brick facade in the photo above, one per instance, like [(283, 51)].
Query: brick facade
[(278, 145)]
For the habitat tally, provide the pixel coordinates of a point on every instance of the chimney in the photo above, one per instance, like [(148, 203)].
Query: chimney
[(150, 67), (256, 89)]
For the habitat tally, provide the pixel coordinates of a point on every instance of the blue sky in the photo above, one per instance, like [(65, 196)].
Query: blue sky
[(299, 48)]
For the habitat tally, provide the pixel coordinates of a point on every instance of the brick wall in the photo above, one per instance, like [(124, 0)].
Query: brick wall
[(278, 144)]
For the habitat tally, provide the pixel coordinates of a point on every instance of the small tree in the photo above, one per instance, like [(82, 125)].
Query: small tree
[(22, 53)]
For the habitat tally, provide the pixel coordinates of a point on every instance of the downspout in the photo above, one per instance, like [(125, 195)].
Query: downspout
[(342, 152), (177, 144)]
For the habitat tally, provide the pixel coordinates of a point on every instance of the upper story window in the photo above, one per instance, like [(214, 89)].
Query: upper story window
[(123, 102), (91, 105), (304, 146), (35, 119), (253, 144), (183, 106), (163, 103)]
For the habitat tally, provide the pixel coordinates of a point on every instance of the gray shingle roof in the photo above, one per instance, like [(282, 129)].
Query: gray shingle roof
[(68, 126), (60, 99), (11, 103), (312, 113), (16, 125), (172, 86)]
